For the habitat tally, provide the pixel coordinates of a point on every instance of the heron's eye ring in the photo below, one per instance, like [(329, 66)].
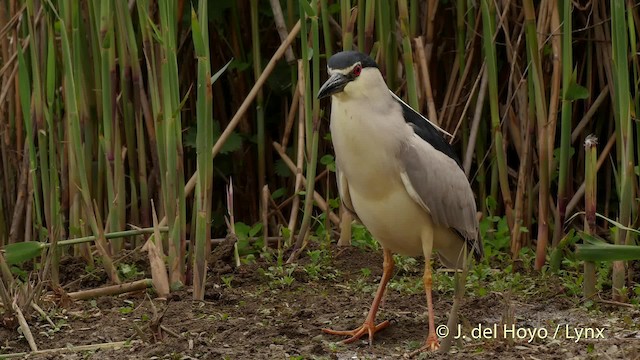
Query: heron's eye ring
[(356, 70)]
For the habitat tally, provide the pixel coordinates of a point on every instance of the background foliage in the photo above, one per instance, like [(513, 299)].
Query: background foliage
[(108, 108)]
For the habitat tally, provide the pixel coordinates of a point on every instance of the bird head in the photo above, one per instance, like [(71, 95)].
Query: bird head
[(350, 72)]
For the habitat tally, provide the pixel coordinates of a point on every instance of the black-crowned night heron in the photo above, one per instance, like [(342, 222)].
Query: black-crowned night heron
[(398, 176)]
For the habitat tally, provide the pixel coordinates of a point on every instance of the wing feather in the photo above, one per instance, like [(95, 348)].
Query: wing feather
[(343, 190), (436, 182)]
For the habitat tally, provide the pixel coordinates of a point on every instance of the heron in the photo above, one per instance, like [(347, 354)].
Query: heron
[(399, 177)]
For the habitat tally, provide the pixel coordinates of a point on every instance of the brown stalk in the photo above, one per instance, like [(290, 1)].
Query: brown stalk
[(295, 207), (432, 8), (71, 349), (21, 198), (276, 210), (155, 253), (556, 77), (523, 179), (590, 149), (112, 290), (291, 118), (449, 102), (467, 104), (320, 201), (24, 326), (601, 159), (4, 291), (554, 100), (282, 28), (475, 123), (577, 131), (426, 81), (265, 214)]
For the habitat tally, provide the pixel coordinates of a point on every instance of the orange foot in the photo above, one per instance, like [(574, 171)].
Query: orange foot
[(367, 327), (432, 343)]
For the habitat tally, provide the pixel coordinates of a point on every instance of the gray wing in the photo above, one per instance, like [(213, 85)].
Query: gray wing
[(436, 182), (343, 189)]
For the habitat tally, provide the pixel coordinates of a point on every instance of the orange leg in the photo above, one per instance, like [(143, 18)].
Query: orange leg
[(369, 326), (432, 339)]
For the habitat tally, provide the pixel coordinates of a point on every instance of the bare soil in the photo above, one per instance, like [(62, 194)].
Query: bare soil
[(256, 315)]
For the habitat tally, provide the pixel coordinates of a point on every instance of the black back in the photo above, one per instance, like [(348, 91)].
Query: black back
[(428, 132), (344, 59)]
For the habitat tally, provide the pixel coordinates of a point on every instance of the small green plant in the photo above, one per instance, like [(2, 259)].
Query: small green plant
[(279, 276), (245, 233), (129, 272), (319, 267), (407, 285), (407, 264), (128, 308), (366, 272), (226, 280), (361, 238), (59, 324)]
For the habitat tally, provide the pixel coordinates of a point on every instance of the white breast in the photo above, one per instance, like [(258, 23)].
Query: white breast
[(366, 144)]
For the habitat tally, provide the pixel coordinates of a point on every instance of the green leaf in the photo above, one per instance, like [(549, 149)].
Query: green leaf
[(607, 252), (591, 239), (281, 168), (219, 72), (255, 229), (307, 8), (491, 204), (575, 91), (18, 253), (612, 222), (233, 143), (329, 161), (242, 230), (278, 193)]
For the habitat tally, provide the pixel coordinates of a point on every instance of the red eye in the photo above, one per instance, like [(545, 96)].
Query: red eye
[(356, 70)]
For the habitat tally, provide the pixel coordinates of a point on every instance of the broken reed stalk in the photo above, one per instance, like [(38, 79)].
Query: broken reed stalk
[(24, 326), (112, 290), (264, 200), (604, 155), (155, 253), (295, 206), (590, 199), (231, 223), (5, 279), (71, 349)]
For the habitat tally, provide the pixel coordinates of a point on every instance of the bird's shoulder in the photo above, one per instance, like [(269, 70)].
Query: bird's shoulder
[(427, 132)]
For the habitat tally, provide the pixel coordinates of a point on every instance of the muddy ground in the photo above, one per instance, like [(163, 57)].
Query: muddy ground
[(259, 313)]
